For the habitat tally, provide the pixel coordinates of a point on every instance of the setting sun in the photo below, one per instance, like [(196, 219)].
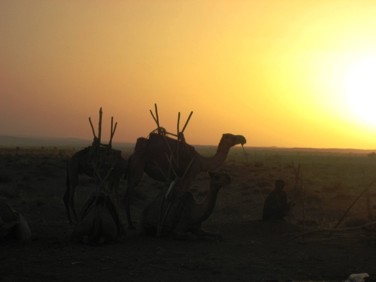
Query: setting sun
[(360, 89)]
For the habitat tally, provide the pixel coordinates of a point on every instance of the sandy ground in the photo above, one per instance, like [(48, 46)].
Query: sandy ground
[(33, 182)]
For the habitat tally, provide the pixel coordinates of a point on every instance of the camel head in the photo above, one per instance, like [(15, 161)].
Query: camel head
[(229, 140)]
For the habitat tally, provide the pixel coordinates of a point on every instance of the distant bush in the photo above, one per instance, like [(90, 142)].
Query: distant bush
[(372, 155)]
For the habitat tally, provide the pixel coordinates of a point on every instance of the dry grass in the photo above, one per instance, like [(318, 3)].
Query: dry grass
[(331, 180), (33, 181)]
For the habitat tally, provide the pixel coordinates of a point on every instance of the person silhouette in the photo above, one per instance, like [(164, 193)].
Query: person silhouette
[(276, 204)]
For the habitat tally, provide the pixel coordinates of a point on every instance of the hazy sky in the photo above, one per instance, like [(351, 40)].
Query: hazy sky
[(286, 73)]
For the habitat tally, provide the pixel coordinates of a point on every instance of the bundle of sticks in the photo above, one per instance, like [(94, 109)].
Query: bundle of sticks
[(97, 139), (161, 130)]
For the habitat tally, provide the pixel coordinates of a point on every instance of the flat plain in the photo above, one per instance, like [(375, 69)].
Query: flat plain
[(328, 234)]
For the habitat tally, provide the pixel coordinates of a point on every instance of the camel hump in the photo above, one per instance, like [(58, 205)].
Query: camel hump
[(140, 145), (158, 140)]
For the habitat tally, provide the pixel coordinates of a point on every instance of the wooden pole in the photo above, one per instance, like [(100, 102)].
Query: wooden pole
[(156, 114), (354, 202), (297, 175), (304, 204), (112, 132), (368, 202), (156, 117), (92, 128), (178, 125), (188, 168), (112, 125), (151, 112), (171, 167), (179, 138), (169, 148), (186, 123), (100, 126)]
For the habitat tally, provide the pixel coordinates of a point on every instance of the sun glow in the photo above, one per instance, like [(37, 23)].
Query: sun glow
[(360, 89)]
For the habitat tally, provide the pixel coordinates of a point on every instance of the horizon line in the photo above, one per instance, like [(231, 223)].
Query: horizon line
[(78, 139)]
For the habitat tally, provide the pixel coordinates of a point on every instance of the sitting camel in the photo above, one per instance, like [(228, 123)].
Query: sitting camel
[(177, 214), (12, 224), (159, 155), (99, 161), (99, 221), (102, 157)]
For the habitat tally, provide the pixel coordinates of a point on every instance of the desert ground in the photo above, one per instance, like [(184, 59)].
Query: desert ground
[(309, 245)]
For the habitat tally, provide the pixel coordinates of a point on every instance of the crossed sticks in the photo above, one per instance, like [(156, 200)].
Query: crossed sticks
[(97, 139), (179, 134)]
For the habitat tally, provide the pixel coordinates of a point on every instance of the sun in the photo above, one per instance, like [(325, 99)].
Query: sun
[(360, 89)]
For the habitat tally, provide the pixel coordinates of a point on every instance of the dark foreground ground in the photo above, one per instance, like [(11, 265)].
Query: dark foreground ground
[(34, 182)]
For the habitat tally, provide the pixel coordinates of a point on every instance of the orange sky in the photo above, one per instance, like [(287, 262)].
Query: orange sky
[(274, 71)]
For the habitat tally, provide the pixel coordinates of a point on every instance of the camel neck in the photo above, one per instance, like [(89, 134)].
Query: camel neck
[(215, 161), (204, 209)]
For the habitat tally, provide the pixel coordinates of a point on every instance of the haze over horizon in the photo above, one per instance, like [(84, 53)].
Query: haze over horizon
[(282, 73)]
